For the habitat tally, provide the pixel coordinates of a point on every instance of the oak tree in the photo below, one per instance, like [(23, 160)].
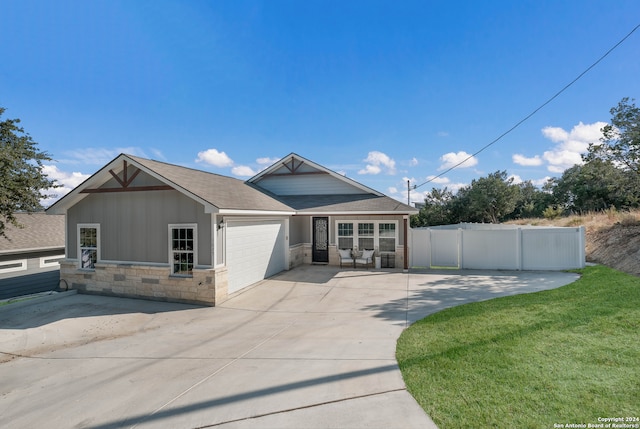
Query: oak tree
[(22, 179), (620, 142)]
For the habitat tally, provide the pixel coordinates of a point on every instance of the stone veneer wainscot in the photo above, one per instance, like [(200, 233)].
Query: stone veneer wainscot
[(206, 286)]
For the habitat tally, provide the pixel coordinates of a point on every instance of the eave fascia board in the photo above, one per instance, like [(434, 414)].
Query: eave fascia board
[(230, 212), (56, 210), (31, 250), (353, 213)]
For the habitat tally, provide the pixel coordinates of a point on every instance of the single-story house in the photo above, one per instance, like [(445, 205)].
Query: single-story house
[(29, 254), (149, 229)]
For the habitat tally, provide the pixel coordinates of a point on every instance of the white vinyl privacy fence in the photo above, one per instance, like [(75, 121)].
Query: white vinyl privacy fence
[(498, 247)]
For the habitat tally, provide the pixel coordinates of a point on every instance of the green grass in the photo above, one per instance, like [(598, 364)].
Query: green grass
[(568, 355), (14, 300)]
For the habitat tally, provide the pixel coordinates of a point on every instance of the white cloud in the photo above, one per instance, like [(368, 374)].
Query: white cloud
[(455, 187), (555, 134), (370, 169), (377, 161), (516, 179), (417, 195), (98, 156), (414, 197), (438, 180), (67, 182), (64, 178), (445, 183), (412, 181), (157, 153), (413, 162), (243, 170), (452, 159), (215, 158), (540, 182), (527, 162), (221, 159), (401, 195), (266, 161), (570, 145), (443, 134), (560, 160)]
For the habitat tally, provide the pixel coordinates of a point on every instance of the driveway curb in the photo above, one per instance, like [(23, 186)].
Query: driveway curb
[(23, 301)]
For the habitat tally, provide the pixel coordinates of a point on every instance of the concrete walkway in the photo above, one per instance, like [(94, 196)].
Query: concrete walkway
[(313, 347)]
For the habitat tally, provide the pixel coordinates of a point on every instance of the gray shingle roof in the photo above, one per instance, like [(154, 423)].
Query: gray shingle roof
[(40, 232), (230, 194), (345, 203), (221, 191)]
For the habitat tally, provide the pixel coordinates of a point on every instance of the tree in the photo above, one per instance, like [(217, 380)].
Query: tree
[(620, 143), (436, 210), (489, 199), (532, 202), (23, 180), (598, 184)]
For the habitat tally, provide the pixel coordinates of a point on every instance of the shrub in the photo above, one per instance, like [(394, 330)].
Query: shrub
[(552, 212)]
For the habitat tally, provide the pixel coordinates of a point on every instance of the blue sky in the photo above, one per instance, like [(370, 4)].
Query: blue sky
[(382, 91)]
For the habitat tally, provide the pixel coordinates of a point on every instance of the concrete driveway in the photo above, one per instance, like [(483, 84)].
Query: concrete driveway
[(313, 347)]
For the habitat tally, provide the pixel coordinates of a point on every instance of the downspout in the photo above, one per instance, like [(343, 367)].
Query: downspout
[(406, 243)]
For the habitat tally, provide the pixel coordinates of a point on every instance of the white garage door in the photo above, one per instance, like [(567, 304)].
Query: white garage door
[(255, 251)]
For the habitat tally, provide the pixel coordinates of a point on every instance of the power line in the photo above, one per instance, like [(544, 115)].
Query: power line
[(533, 112)]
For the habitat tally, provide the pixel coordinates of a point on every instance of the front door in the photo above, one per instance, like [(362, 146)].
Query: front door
[(320, 251)]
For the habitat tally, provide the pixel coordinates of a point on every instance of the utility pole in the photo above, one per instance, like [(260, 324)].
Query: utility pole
[(408, 192)]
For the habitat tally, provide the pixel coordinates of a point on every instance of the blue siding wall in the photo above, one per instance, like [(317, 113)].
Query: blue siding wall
[(33, 278), (29, 283)]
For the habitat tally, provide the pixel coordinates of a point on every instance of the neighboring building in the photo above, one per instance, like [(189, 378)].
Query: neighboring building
[(144, 228), (29, 255)]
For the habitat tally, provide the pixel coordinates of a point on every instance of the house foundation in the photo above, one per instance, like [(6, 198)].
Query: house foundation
[(207, 286)]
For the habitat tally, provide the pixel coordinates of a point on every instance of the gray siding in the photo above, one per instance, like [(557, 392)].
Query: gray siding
[(220, 240), (313, 184), (299, 229), (32, 280), (134, 225)]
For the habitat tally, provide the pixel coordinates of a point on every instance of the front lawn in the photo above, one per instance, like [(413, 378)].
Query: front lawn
[(564, 356)]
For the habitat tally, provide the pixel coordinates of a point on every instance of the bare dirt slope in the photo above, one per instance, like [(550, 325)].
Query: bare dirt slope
[(613, 238)]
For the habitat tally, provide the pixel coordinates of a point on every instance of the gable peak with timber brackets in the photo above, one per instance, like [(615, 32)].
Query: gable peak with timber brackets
[(125, 182), (296, 175)]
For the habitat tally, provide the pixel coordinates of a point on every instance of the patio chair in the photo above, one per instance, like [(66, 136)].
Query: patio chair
[(346, 257), (365, 259)]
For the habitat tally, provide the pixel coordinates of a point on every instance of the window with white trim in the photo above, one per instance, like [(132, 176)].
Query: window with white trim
[(366, 236), (182, 248), (50, 261), (11, 266), (387, 237), (369, 235), (88, 245), (345, 235)]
